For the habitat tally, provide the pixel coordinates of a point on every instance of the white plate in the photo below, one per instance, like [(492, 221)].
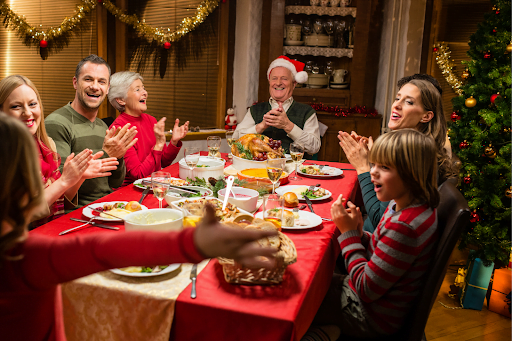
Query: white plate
[(293, 42), (334, 172), (339, 86), (168, 269), (89, 213), (176, 203), (314, 220), (289, 188), (138, 183)]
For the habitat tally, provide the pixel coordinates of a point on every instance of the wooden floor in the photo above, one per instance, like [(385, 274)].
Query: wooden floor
[(464, 324)]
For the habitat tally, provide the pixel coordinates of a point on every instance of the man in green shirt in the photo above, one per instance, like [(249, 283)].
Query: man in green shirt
[(75, 127)]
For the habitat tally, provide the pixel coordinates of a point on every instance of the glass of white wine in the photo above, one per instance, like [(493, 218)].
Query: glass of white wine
[(191, 157), (160, 185), (231, 140), (296, 152), (273, 206), (275, 168), (213, 145)]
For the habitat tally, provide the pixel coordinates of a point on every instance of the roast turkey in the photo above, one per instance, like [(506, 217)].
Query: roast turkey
[(255, 144)]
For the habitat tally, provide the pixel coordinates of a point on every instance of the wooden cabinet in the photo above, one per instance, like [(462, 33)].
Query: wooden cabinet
[(361, 61)]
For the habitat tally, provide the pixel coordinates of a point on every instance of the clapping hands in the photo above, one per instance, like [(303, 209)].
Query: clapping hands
[(346, 219), (278, 118), (118, 140), (356, 149), (178, 132), (100, 167)]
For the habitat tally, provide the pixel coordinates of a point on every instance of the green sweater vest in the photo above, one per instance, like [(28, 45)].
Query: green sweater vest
[(298, 113)]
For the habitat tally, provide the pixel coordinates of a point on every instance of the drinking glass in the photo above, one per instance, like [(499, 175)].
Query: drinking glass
[(318, 26), (160, 185), (329, 69), (273, 206), (213, 145), (275, 168), (307, 27), (191, 156), (329, 27), (192, 215), (231, 140), (297, 152)]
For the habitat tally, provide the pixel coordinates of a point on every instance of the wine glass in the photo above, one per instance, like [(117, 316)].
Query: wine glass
[(191, 157), (273, 206), (318, 26), (160, 185), (231, 140), (329, 28), (307, 28), (297, 152), (275, 168), (329, 69), (213, 145)]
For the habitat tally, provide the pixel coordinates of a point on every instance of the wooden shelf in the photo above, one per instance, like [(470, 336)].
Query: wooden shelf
[(318, 51), (332, 11), (323, 92)]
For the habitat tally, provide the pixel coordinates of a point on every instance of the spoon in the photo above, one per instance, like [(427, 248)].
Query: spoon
[(229, 184)]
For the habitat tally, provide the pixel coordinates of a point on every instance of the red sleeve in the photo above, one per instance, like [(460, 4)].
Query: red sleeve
[(170, 153), (48, 261)]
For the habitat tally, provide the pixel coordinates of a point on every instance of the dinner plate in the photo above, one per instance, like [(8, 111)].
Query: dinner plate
[(334, 172), (168, 269), (314, 220), (290, 188), (176, 204), (89, 213), (138, 183)]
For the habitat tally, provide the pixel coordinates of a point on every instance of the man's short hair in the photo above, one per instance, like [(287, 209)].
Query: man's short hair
[(91, 59), (421, 76)]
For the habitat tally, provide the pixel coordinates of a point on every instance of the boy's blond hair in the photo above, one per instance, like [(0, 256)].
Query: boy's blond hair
[(414, 156)]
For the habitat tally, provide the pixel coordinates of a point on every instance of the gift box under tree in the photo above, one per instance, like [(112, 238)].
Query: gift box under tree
[(472, 294), (499, 301)]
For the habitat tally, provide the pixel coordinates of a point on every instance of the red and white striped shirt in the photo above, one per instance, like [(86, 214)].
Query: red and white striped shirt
[(386, 268)]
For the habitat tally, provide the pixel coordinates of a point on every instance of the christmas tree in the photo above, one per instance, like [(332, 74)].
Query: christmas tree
[(480, 136)]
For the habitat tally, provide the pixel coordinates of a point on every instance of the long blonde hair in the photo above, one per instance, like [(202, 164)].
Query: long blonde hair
[(8, 85), (22, 188), (413, 154)]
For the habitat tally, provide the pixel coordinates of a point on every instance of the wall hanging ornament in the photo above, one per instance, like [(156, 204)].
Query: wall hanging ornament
[(443, 53)]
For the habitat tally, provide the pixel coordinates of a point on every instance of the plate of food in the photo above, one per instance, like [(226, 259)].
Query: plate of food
[(146, 271), (317, 193), (295, 220), (117, 208), (173, 181), (315, 171), (196, 205)]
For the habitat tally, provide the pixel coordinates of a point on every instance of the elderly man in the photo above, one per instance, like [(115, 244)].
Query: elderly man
[(281, 118), (75, 127)]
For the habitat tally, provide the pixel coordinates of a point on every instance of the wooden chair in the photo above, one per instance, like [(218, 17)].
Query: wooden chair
[(453, 216)]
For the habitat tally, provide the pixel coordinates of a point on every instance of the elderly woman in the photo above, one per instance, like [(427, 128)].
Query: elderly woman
[(128, 95), (417, 105), (281, 118)]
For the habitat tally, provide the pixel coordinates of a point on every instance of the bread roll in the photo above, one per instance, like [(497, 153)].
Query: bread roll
[(290, 199), (133, 206), (288, 219)]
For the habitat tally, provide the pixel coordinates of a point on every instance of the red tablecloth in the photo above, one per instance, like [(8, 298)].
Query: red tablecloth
[(224, 311)]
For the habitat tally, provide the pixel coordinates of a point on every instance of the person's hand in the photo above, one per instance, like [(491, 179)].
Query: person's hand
[(100, 167), (356, 152), (118, 140), (346, 219), (178, 132), (159, 130), (278, 118), (216, 240), (75, 166)]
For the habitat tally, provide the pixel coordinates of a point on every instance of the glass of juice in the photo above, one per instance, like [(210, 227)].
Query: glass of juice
[(273, 206)]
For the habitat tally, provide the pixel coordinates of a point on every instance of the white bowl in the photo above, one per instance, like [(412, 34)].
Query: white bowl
[(173, 196), (247, 203), (145, 220), (216, 169), (241, 164)]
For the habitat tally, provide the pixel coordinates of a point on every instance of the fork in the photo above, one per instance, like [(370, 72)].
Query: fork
[(76, 227)]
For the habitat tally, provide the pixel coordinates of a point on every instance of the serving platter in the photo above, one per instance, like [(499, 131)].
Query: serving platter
[(89, 213), (293, 188), (314, 220), (334, 172), (178, 204), (177, 182), (168, 269)]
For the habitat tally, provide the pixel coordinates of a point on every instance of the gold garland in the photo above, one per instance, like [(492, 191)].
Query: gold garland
[(34, 36), (445, 64)]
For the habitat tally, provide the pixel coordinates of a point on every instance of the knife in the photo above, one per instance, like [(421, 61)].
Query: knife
[(188, 190), (193, 277), (95, 224), (310, 205), (144, 194)]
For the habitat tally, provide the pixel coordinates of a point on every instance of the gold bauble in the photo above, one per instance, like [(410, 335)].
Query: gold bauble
[(470, 102), (509, 48), (508, 192), (465, 74), (490, 152)]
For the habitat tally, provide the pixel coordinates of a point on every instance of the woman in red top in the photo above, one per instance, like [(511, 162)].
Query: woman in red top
[(19, 98), (32, 265), (128, 95)]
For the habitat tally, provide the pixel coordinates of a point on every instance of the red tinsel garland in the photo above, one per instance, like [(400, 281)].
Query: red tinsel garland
[(344, 112)]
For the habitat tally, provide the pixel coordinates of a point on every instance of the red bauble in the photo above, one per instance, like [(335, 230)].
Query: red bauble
[(43, 43), (494, 30), (498, 11), (467, 180), (435, 49), (474, 217), (455, 116), (493, 97), (487, 55), (463, 144), (167, 45)]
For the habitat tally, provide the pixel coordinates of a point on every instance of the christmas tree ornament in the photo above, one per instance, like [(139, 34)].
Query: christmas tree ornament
[(494, 30), (490, 152), (487, 55), (435, 49), (465, 75), (509, 48), (474, 217), (494, 96), (43, 43), (167, 45), (464, 144), (470, 102), (446, 66), (455, 116), (508, 192), (467, 179)]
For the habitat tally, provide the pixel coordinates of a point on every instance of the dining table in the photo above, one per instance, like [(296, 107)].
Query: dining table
[(221, 311)]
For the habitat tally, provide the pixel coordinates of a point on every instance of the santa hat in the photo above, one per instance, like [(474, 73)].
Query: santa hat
[(295, 67)]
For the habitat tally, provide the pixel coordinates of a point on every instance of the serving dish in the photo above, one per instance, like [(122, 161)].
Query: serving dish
[(173, 181), (248, 202), (89, 213), (173, 196), (215, 168), (261, 174), (168, 269), (232, 211)]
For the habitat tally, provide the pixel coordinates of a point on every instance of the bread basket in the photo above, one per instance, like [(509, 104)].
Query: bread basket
[(236, 274)]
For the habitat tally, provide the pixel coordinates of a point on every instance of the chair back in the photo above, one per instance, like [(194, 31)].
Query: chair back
[(452, 217)]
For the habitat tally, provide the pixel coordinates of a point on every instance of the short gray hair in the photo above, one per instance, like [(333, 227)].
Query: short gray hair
[(120, 83)]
